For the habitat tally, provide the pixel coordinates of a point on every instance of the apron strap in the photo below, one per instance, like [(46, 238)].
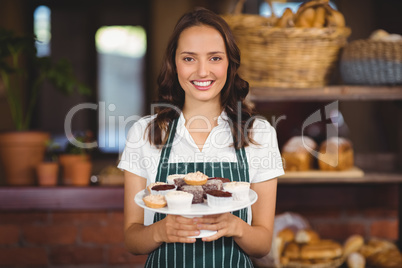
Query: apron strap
[(167, 147)]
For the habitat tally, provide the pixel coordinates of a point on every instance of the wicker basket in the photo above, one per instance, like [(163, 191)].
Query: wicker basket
[(285, 57), (372, 63)]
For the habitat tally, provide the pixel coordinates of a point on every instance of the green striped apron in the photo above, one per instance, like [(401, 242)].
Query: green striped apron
[(223, 252)]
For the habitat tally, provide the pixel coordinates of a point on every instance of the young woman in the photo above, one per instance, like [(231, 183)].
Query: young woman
[(202, 124)]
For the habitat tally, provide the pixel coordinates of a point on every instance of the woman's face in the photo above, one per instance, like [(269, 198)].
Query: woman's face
[(201, 63)]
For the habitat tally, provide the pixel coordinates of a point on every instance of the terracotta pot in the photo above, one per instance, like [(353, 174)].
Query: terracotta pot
[(81, 173), (47, 173), (66, 161), (20, 153)]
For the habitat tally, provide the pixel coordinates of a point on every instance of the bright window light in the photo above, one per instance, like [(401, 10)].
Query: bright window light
[(42, 30)]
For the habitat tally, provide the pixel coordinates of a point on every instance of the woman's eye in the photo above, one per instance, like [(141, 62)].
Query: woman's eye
[(188, 59), (216, 58)]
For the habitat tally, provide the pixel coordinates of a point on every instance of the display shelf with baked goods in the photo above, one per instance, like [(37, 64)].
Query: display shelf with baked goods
[(334, 92)]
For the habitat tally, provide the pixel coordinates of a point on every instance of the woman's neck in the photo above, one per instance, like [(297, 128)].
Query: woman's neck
[(199, 115)]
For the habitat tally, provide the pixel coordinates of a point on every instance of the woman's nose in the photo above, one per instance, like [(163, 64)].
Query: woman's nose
[(202, 70)]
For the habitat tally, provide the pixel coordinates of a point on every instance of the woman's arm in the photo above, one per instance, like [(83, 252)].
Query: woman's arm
[(254, 239), (142, 239)]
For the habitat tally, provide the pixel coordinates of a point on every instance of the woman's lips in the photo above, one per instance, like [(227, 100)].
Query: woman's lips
[(203, 85)]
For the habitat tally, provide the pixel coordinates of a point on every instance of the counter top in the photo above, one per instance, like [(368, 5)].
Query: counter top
[(61, 198)]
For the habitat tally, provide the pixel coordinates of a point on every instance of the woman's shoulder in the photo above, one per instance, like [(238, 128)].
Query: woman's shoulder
[(261, 122), (140, 126)]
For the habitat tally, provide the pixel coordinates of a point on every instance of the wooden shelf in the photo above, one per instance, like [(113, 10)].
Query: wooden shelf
[(366, 179), (343, 92)]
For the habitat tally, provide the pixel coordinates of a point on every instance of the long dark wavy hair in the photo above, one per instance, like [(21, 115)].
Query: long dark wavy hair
[(171, 95)]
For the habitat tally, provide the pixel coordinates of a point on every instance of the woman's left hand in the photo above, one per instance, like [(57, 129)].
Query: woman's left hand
[(226, 224)]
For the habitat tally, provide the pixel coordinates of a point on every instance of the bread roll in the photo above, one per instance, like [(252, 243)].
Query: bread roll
[(336, 154), (306, 236), (376, 245), (296, 153), (335, 19), (286, 20), (306, 18), (356, 260), (390, 258), (352, 244), (292, 251), (319, 19), (323, 249)]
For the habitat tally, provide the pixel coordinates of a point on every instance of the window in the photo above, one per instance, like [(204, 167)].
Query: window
[(42, 30), (121, 66), (279, 7)]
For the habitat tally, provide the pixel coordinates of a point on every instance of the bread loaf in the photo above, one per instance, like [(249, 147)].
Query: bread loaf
[(323, 249), (296, 153), (336, 153), (353, 244), (306, 236)]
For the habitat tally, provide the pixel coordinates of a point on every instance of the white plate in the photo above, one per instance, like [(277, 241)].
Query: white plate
[(199, 209)]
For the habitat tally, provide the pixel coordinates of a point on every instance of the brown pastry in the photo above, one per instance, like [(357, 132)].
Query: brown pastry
[(390, 258), (323, 249), (319, 19), (353, 244), (375, 245), (292, 251), (296, 155), (336, 154), (286, 20), (306, 236), (155, 201), (306, 18)]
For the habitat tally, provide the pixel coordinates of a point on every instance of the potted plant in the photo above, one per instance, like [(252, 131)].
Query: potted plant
[(21, 150), (76, 161), (48, 170)]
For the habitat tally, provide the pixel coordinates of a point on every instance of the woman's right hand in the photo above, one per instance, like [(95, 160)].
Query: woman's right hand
[(175, 228)]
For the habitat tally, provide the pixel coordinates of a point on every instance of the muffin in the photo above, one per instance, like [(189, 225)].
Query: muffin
[(196, 178), (239, 189), (196, 190), (179, 200), (154, 201), (218, 198), (171, 178), (163, 189)]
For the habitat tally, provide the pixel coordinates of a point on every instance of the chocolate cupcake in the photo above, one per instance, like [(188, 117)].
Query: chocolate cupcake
[(218, 198), (163, 189)]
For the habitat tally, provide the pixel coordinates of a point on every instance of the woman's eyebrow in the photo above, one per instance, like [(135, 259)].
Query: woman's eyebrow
[(209, 53)]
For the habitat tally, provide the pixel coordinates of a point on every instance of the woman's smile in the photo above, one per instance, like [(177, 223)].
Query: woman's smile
[(202, 85)]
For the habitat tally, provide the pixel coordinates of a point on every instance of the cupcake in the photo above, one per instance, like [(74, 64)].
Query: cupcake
[(171, 178), (163, 189), (196, 178), (179, 200), (152, 184), (154, 201), (196, 190), (239, 189), (218, 198)]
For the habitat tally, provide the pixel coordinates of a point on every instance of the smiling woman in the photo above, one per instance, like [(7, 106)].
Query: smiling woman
[(201, 115)]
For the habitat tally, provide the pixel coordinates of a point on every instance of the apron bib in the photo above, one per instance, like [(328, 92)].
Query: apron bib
[(223, 252)]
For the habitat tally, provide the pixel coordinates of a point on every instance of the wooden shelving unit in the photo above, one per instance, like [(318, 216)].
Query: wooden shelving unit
[(341, 93)]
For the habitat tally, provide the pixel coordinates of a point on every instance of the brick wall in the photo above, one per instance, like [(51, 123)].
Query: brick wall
[(95, 238), (57, 239)]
